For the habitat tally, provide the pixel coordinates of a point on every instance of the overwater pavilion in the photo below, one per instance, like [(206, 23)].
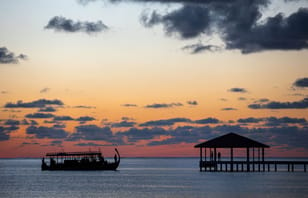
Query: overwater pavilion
[(231, 141)]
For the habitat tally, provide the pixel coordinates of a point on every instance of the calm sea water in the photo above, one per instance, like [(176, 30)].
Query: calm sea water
[(148, 177)]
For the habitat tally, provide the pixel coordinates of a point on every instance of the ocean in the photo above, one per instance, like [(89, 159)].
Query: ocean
[(146, 177)]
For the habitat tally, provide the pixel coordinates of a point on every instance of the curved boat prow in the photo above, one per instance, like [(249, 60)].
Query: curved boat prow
[(119, 157)]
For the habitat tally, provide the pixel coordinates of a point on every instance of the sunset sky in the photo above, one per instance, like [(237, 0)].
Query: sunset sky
[(152, 77)]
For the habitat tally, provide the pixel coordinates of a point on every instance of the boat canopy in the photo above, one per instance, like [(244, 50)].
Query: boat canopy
[(86, 153)]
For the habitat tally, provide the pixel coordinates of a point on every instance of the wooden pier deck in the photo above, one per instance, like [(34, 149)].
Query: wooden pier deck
[(257, 166)]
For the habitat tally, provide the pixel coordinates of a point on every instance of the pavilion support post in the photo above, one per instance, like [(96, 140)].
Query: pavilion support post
[(215, 159), (200, 163), (263, 158), (220, 166), (253, 159), (259, 159), (231, 159), (248, 165)]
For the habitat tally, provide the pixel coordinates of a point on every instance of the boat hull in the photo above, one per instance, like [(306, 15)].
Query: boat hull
[(109, 166)]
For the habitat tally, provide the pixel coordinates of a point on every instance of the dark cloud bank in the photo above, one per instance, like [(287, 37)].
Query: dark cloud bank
[(272, 130), (235, 21)]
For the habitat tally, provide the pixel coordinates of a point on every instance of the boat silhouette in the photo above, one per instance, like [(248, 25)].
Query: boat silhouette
[(79, 161)]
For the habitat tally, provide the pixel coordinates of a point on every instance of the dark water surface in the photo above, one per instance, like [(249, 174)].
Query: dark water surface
[(146, 177)]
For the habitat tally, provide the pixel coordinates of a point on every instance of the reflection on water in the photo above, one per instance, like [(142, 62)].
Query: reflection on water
[(146, 177)]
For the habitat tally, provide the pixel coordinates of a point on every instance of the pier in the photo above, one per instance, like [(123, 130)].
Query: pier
[(241, 166), (210, 158)]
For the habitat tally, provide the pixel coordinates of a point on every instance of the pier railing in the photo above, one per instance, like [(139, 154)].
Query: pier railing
[(253, 166)]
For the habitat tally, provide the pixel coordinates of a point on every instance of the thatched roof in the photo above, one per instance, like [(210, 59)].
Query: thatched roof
[(231, 140)]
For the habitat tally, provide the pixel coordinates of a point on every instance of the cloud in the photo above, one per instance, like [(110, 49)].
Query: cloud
[(84, 107), (33, 122), (167, 122), (123, 124), (237, 90), (207, 121), (62, 24), (199, 48), (47, 109), (63, 118), (34, 104), (59, 125), (93, 132), (301, 82), (85, 119), (187, 22), (46, 132), (29, 143), (127, 118), (192, 102), (228, 109), (129, 105), (5, 132), (261, 100), (88, 144), (302, 104), (250, 120), (39, 115), (135, 134), (242, 98), (277, 33), (236, 22), (56, 143), (294, 137), (30, 122), (273, 121), (7, 57), (12, 122), (163, 105), (45, 90)]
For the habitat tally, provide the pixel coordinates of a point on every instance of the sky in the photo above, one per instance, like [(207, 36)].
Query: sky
[(152, 77)]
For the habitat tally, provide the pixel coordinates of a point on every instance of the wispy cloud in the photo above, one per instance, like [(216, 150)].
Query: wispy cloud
[(62, 24), (163, 105), (129, 105), (192, 102), (45, 90), (228, 109)]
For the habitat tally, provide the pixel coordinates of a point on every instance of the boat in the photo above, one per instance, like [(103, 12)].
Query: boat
[(79, 161)]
